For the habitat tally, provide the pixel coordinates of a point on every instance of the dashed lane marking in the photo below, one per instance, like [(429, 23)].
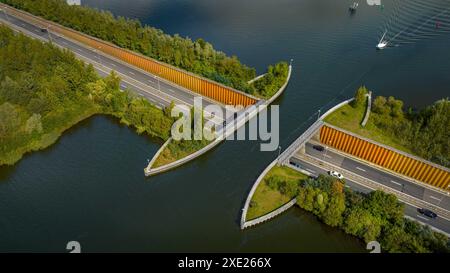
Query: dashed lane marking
[(435, 198), (421, 217), (396, 183)]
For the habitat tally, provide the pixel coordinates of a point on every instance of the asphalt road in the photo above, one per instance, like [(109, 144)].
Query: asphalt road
[(439, 223), (395, 182), (158, 91)]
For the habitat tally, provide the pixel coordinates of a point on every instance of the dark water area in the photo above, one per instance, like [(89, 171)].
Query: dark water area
[(90, 186)]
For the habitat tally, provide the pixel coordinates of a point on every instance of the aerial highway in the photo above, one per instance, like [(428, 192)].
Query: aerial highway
[(156, 90), (440, 223), (423, 192)]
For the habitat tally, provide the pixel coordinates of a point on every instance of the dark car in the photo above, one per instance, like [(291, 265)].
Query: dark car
[(318, 148), (427, 213), (44, 30)]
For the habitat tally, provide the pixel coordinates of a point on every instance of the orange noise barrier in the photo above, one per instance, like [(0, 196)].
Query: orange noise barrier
[(418, 169), (202, 86)]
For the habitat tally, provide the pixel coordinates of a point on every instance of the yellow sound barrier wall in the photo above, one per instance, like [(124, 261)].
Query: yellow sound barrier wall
[(386, 158), (182, 78)]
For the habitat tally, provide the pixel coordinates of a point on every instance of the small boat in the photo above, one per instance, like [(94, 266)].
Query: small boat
[(353, 7), (382, 44)]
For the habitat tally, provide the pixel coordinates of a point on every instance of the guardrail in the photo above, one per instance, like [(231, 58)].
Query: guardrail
[(195, 83), (386, 157), (377, 186), (284, 157), (299, 141), (231, 125)]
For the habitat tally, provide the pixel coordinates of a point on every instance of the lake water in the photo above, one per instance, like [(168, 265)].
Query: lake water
[(90, 186)]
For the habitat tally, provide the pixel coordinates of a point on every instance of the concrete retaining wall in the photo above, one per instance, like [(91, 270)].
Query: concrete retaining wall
[(386, 157), (283, 159), (241, 120), (252, 191), (196, 83), (270, 215), (368, 109)]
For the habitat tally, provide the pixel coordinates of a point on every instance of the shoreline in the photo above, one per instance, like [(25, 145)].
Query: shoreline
[(148, 171)]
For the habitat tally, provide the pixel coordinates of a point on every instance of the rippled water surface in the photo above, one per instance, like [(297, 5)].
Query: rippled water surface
[(90, 186)]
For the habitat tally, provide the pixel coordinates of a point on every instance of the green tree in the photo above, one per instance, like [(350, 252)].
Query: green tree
[(363, 224), (360, 97), (379, 106), (34, 124), (9, 119)]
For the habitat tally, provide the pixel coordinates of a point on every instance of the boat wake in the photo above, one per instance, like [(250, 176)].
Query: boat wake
[(411, 21)]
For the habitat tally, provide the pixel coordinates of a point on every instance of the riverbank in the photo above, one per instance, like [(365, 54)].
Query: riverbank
[(40, 100), (198, 57), (274, 191), (170, 155), (374, 216), (421, 133)]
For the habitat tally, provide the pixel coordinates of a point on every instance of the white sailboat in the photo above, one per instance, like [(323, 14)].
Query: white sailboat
[(382, 43)]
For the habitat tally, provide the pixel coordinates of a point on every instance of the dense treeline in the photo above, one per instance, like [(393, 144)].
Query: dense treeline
[(425, 132), (195, 56), (375, 216), (274, 79), (45, 90)]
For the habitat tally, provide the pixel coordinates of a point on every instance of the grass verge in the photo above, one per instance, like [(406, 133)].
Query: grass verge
[(268, 198)]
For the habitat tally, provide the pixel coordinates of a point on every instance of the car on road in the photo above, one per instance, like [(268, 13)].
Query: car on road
[(44, 30), (427, 213), (295, 164), (335, 174), (318, 148)]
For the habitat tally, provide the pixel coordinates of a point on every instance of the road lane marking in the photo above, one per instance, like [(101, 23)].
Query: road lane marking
[(435, 198), (131, 73), (99, 67), (311, 171), (327, 156), (113, 64), (421, 217), (392, 181), (361, 169)]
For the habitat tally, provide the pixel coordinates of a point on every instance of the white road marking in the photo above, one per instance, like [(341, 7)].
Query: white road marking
[(421, 217), (392, 181), (113, 64), (171, 90), (327, 156), (361, 169), (435, 198), (64, 42), (131, 73), (311, 171)]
